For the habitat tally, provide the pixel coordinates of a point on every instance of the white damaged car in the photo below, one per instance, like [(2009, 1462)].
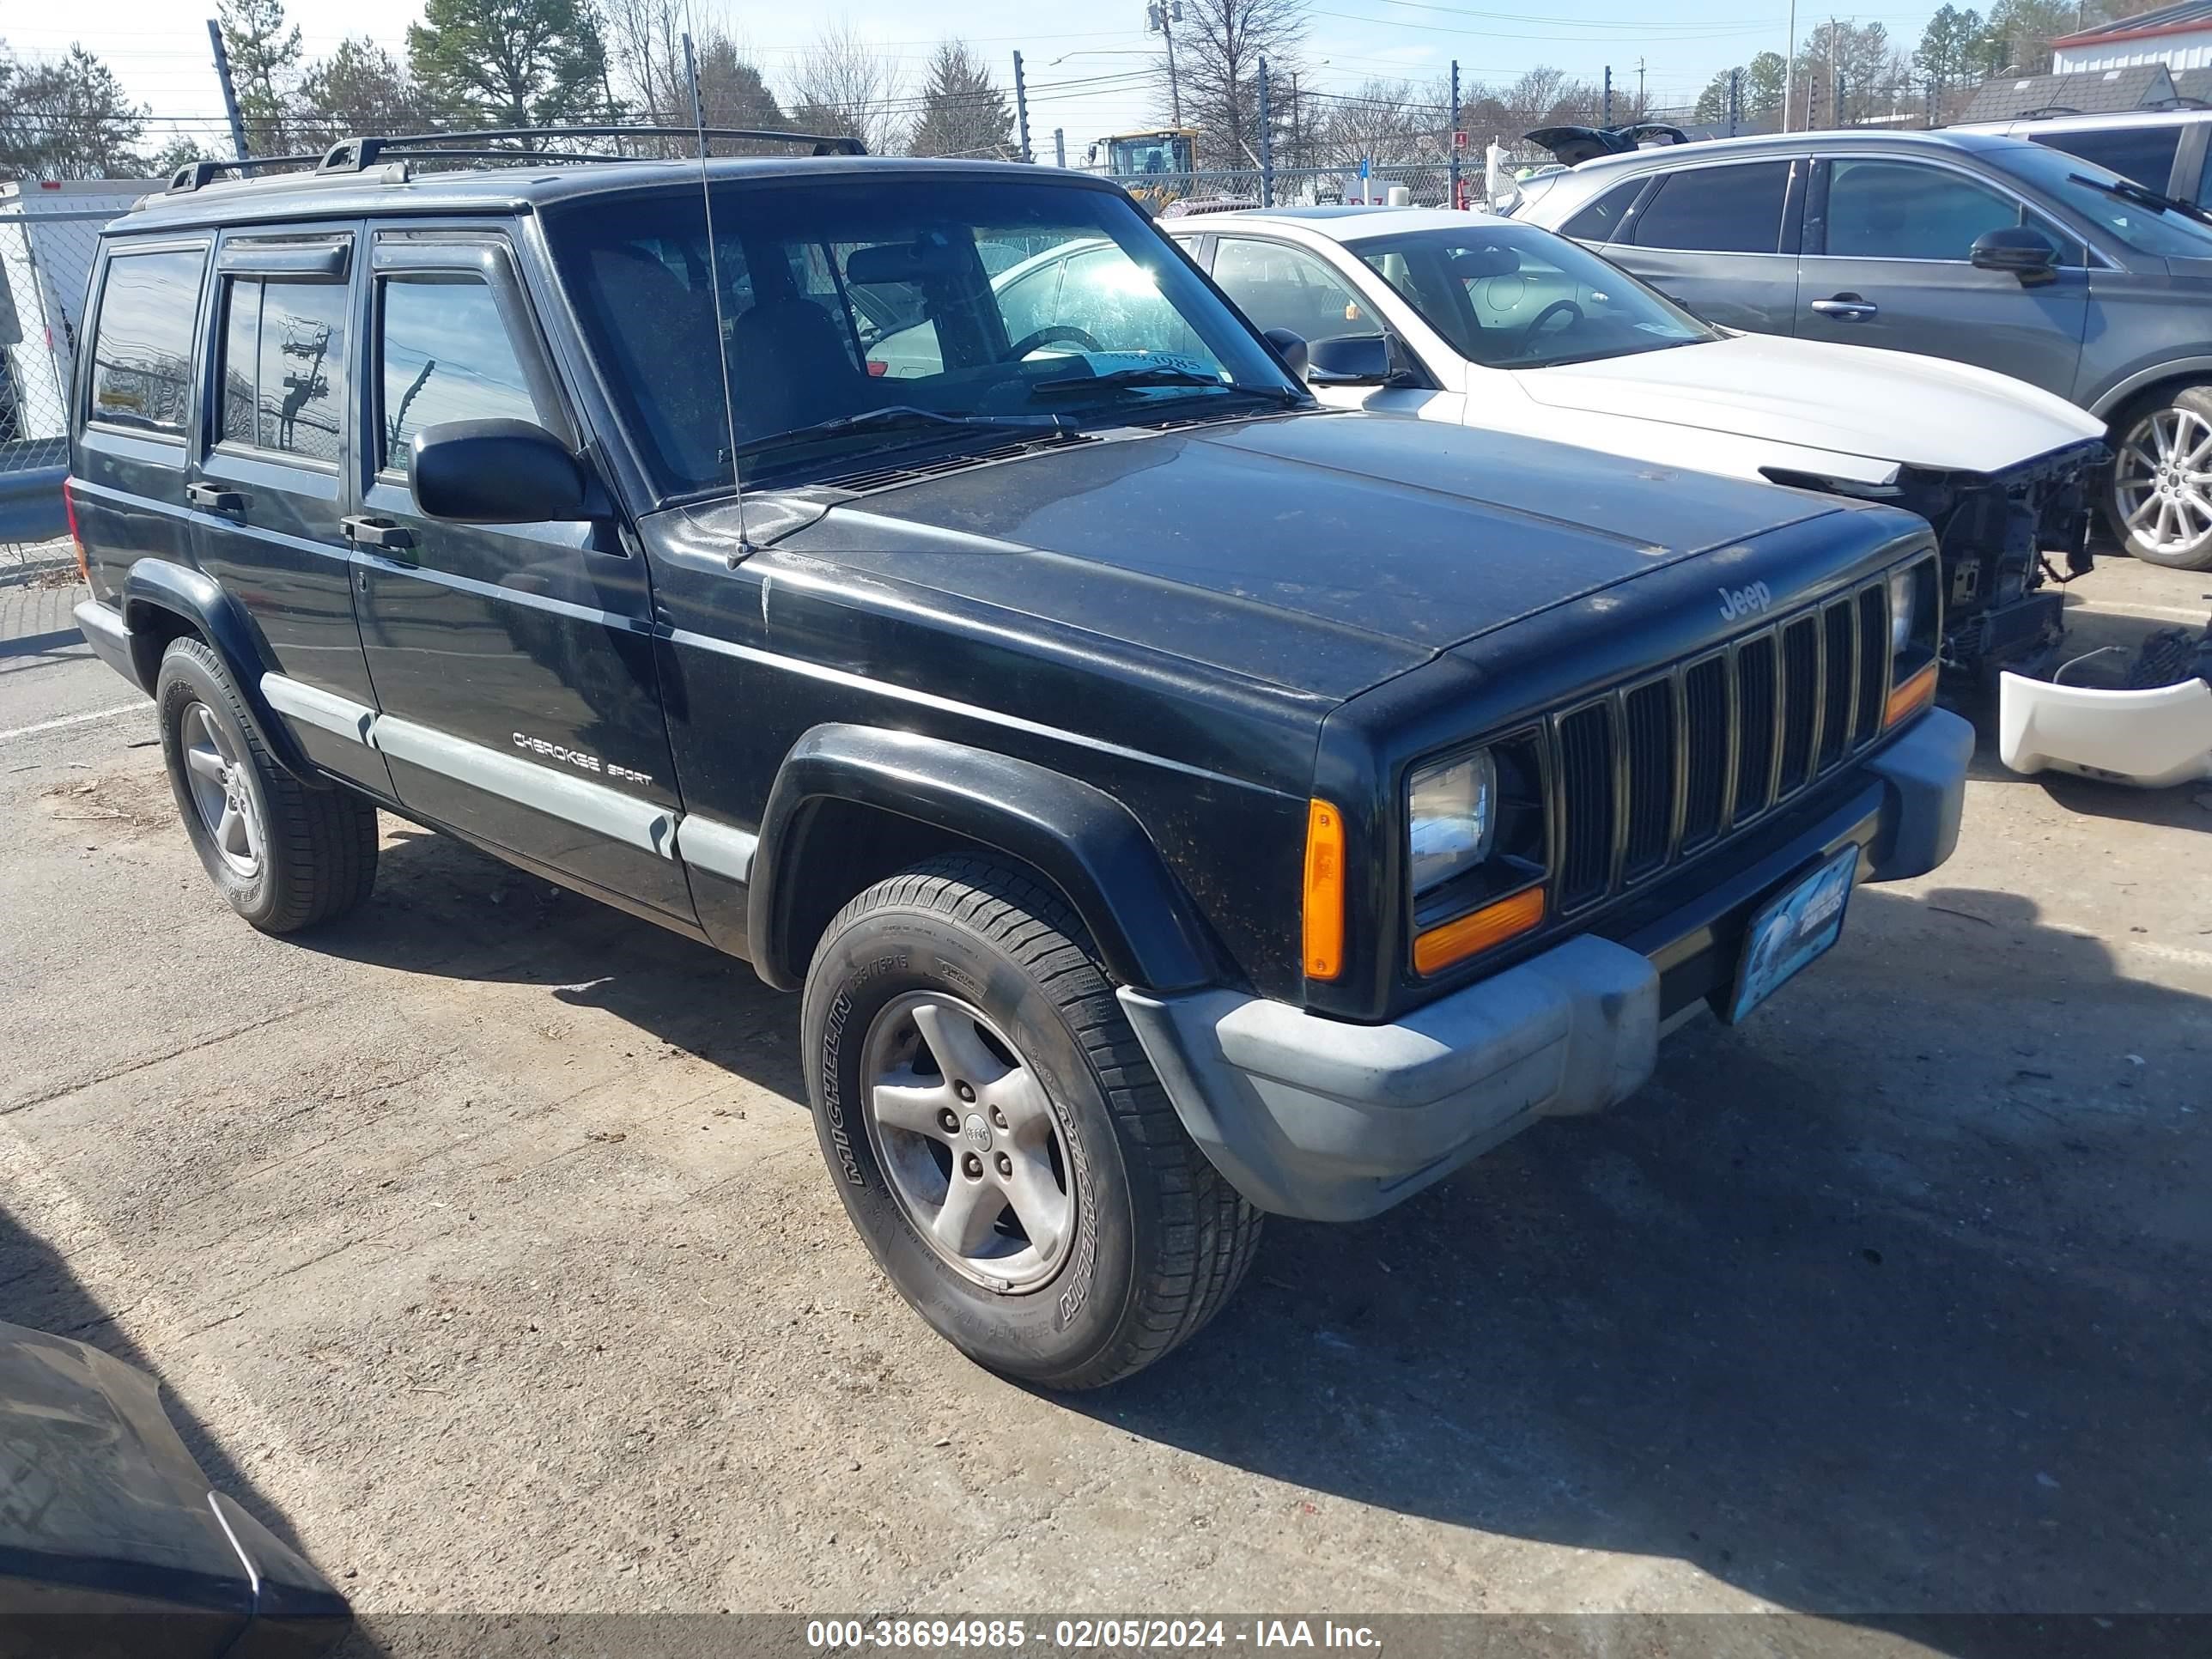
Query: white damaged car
[(1476, 320)]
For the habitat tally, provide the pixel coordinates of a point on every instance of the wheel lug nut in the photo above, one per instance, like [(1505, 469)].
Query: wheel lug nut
[(972, 1167), (947, 1121), (997, 1118), (965, 1091), (1005, 1164)]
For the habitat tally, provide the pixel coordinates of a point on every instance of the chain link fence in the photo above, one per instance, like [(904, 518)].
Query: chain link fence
[(46, 251), (1221, 190)]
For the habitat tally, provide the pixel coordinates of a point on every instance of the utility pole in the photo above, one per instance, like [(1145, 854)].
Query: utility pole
[(1164, 15), (1835, 79), (229, 93), (1451, 137), (1606, 120), (1266, 143), (1059, 146), (1639, 88), (1789, 69), (1735, 100), (1022, 107)]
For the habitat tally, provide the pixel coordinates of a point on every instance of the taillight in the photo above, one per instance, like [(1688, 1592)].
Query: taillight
[(69, 510)]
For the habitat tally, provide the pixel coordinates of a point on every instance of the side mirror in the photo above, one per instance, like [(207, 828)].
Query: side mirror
[(1351, 360), (1290, 348), (495, 472), (2022, 250)]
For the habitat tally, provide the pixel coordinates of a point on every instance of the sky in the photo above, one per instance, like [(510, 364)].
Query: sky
[(1085, 64)]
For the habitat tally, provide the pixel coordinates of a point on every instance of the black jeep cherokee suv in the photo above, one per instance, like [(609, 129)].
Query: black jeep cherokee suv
[(1175, 801)]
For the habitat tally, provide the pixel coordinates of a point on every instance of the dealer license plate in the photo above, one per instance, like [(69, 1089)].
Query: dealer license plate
[(1791, 930)]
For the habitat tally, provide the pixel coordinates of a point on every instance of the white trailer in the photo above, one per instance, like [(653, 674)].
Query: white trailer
[(49, 231)]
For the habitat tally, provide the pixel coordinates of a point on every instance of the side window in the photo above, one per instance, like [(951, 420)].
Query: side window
[(283, 365), (1280, 287), (1117, 301), (1904, 210), (2144, 154), (141, 358), (1600, 221), (1732, 209), (443, 353)]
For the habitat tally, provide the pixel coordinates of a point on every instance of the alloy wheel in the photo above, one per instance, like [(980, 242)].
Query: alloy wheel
[(2162, 481), (970, 1140), (222, 790)]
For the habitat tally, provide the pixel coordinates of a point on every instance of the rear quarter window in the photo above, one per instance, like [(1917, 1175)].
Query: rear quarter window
[(1600, 221), (142, 350)]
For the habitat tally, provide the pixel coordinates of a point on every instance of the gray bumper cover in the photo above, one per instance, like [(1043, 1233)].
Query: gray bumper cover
[(1329, 1121)]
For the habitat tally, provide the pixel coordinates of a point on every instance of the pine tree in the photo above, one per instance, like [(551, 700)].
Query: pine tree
[(963, 112), (264, 48), (511, 63)]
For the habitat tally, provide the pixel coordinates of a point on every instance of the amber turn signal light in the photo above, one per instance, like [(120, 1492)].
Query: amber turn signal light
[(1479, 930), (1324, 891), (1910, 696)]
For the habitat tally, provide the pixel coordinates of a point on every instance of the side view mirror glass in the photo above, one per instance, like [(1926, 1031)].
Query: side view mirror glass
[(495, 472)]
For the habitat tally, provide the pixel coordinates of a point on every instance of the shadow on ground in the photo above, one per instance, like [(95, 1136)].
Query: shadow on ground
[(41, 1291), (1863, 1310)]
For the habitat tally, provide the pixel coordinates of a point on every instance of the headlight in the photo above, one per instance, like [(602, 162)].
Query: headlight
[(1904, 608), (1451, 817)]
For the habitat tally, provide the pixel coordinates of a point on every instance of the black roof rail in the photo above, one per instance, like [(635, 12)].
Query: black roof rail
[(195, 174), (357, 154), (2180, 101), (2046, 111)]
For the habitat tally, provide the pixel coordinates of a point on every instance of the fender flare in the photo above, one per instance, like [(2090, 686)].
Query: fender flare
[(163, 585), (1080, 838), (2108, 402)]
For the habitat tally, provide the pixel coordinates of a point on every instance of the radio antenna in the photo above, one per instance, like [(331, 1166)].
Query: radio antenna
[(714, 282)]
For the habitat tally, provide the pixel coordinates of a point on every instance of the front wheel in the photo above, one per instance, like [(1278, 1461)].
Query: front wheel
[(2160, 499), (998, 1138)]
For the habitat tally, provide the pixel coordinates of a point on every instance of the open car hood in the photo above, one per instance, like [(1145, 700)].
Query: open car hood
[(1576, 144)]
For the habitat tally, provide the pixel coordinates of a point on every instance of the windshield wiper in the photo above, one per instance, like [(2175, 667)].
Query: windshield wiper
[(2143, 195), (1070, 385), (894, 417)]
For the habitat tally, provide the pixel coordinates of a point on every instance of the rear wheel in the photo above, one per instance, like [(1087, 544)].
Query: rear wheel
[(284, 855), (2160, 499), (998, 1136)]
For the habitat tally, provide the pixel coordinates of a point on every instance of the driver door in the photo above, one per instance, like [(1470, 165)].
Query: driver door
[(1885, 264)]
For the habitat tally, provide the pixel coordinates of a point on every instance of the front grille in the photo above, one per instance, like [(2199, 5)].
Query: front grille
[(1658, 769)]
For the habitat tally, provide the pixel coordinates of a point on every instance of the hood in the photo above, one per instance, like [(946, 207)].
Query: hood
[(1853, 400), (1319, 552)]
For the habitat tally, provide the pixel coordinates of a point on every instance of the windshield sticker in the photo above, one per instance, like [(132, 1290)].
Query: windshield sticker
[(1109, 363)]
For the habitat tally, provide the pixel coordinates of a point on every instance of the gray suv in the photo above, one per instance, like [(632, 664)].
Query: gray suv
[(1971, 245)]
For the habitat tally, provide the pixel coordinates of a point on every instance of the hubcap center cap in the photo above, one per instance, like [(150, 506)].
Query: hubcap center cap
[(976, 1133)]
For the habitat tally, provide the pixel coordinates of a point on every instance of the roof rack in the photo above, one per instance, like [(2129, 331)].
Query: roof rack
[(195, 174), (2046, 111), (2180, 100), (357, 155)]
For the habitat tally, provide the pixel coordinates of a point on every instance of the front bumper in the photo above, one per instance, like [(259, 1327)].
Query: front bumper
[(2149, 738), (1327, 1121)]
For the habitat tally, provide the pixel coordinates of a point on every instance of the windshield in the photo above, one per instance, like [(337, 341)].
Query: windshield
[(1513, 296), (876, 297), (2166, 233)]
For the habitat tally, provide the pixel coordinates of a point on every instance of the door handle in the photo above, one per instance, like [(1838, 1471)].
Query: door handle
[(364, 532), (1847, 308), (215, 498)]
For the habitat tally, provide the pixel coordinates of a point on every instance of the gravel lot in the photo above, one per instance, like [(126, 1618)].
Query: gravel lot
[(483, 1245)]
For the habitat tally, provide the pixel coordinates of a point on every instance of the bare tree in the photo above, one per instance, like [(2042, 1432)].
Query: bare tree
[(843, 84), (1393, 123), (1218, 47), (645, 49)]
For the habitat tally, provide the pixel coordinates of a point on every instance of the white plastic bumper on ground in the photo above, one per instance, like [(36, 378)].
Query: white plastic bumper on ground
[(2148, 739)]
